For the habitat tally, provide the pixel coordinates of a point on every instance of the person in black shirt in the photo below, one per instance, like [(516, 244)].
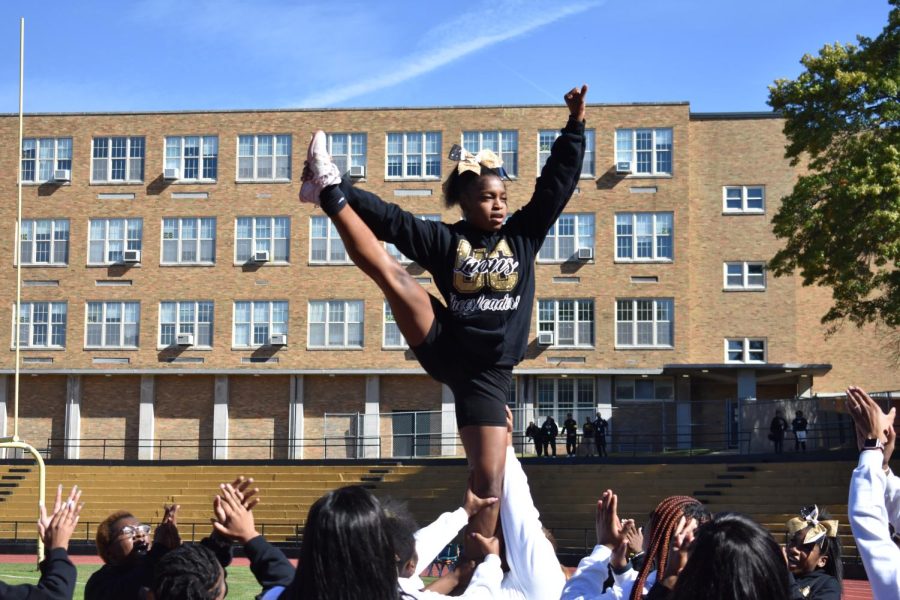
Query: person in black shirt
[(570, 426), (587, 437), (58, 574), (549, 431), (483, 267), (600, 426), (534, 434), (776, 431), (798, 426)]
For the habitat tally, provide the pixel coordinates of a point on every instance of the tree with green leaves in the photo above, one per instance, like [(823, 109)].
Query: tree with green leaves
[(842, 219)]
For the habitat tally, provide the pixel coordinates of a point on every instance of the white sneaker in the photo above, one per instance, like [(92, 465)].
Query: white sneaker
[(319, 171)]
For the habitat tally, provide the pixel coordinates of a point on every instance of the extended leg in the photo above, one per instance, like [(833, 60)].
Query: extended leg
[(485, 447)]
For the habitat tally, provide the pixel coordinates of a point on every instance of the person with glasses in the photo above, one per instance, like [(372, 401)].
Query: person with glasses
[(130, 555)]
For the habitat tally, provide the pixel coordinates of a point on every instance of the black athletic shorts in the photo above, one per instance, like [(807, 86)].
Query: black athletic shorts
[(479, 390)]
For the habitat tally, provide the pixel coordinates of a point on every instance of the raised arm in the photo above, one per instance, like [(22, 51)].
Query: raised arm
[(424, 242), (560, 174)]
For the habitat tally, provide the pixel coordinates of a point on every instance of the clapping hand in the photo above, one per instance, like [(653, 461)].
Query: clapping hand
[(232, 509), (608, 525), (56, 530)]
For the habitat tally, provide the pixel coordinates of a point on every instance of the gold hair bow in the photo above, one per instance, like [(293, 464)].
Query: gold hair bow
[(473, 162), (817, 529)]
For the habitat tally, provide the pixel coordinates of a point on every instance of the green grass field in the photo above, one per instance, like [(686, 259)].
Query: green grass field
[(241, 583)]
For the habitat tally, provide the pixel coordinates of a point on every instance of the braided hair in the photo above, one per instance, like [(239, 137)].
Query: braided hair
[(663, 522), (190, 572)]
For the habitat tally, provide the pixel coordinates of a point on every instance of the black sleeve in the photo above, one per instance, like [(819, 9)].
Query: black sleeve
[(658, 592), (269, 564), (221, 547), (555, 186), (830, 589), (57, 580), (425, 242)]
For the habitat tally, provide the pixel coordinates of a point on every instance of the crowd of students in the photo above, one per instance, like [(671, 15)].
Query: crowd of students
[(356, 546)]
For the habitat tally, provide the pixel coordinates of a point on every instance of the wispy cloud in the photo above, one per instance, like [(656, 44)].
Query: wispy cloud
[(468, 33)]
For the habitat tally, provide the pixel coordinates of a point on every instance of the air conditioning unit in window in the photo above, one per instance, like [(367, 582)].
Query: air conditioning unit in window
[(623, 168), (171, 174), (62, 175), (261, 256), (585, 254), (357, 171), (131, 256), (185, 339), (278, 339), (545, 338)]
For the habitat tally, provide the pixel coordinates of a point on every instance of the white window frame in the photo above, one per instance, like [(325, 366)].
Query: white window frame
[(128, 243), (53, 309), (655, 235), (177, 161), (279, 155), (510, 158), (104, 323), (630, 154), (545, 140), (579, 408), (399, 256), (328, 305), (184, 326), (746, 350), (133, 145), (744, 209), (657, 383), (260, 243), (745, 284), (335, 252), (553, 237), (388, 322), (57, 226), (352, 157), (579, 306), (58, 160), (273, 327), (655, 323), (180, 243), (405, 154)]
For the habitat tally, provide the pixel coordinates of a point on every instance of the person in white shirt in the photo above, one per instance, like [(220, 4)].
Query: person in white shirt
[(874, 492)]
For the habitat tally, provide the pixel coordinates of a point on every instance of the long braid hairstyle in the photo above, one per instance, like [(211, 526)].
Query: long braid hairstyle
[(663, 522)]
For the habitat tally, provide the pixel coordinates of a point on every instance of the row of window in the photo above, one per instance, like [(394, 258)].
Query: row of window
[(639, 237), (640, 323), (267, 157)]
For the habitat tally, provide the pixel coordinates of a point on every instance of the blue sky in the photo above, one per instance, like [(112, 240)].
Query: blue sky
[(132, 55)]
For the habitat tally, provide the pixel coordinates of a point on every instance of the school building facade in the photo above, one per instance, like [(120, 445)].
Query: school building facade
[(179, 302)]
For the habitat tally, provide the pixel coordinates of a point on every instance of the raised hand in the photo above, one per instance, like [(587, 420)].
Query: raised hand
[(871, 422), (167, 534), (575, 100), (56, 530), (248, 495), (233, 519), (634, 535), (679, 550), (608, 525)]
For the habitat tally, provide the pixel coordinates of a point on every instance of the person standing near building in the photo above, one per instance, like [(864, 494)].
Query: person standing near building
[(570, 426), (549, 431), (534, 434), (587, 436), (600, 426), (776, 431), (798, 426)]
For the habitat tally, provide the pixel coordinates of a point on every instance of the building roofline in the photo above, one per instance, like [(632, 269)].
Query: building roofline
[(735, 116), (320, 110)]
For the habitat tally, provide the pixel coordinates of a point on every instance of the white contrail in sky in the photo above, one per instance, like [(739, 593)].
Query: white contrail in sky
[(451, 41)]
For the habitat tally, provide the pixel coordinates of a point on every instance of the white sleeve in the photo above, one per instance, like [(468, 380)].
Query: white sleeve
[(485, 583), (533, 566), (892, 500), (869, 523), (622, 583), (587, 581), (431, 539)]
